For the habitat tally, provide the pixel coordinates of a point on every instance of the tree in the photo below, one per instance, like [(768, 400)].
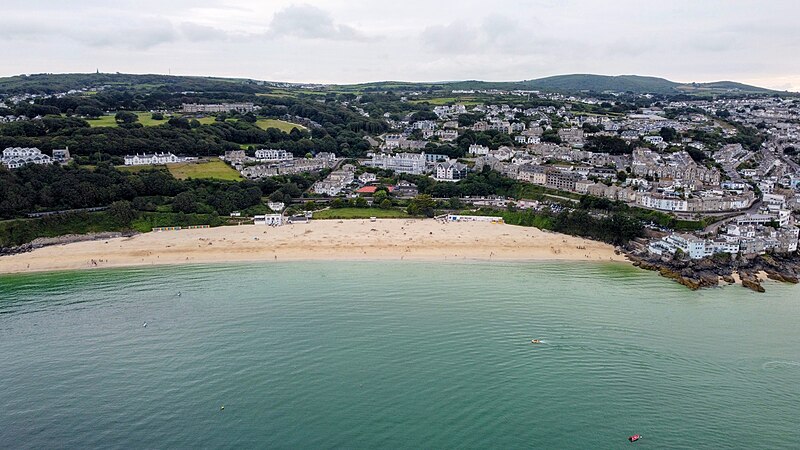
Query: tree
[(88, 111), (421, 205), (185, 202), (126, 117), (179, 122), (379, 197), (386, 204), (668, 133), (157, 116), (122, 212)]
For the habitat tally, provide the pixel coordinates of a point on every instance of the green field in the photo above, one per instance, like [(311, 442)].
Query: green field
[(135, 169), (215, 169), (145, 118), (279, 124), (360, 213)]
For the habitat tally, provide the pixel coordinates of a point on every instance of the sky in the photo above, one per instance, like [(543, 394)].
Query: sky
[(350, 41)]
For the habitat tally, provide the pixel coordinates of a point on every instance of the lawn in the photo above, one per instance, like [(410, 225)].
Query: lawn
[(360, 213), (215, 169), (135, 169), (279, 124), (145, 118)]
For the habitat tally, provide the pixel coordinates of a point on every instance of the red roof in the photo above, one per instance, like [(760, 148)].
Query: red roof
[(372, 189)]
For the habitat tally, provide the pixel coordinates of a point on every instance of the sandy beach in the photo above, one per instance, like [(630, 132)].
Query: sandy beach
[(384, 239)]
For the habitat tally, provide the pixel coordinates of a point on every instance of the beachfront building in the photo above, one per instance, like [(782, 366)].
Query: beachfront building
[(268, 219), (464, 218), (150, 158), (16, 157)]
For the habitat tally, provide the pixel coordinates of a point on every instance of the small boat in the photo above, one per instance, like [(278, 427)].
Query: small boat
[(536, 341), (144, 325), (635, 437)]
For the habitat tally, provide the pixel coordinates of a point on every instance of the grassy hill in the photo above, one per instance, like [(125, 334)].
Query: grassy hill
[(47, 83), (54, 83)]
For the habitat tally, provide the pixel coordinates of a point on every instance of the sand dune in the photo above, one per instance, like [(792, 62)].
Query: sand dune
[(387, 239)]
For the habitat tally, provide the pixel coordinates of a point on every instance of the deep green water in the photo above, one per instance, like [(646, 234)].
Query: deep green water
[(395, 355)]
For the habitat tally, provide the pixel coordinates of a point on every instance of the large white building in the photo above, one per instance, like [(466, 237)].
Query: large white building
[(413, 163), (217, 108), (16, 157), (150, 159)]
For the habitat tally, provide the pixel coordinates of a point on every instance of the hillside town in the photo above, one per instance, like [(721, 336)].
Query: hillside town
[(730, 164)]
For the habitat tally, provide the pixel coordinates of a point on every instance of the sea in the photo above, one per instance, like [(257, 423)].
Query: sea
[(395, 355)]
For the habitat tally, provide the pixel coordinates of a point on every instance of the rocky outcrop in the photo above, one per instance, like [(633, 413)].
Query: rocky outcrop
[(65, 239), (696, 274)]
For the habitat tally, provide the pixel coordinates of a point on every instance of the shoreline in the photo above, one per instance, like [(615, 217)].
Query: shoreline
[(329, 240)]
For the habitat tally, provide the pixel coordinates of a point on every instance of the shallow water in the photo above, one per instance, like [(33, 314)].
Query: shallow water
[(388, 354)]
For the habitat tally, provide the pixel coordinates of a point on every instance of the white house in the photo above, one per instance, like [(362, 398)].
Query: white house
[(450, 171), (478, 150), (367, 177)]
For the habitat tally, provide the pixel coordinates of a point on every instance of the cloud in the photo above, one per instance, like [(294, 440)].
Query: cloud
[(310, 22), (194, 32), (457, 37), (135, 34), (128, 33)]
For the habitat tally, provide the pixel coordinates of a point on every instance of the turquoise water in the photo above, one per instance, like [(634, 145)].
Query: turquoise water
[(398, 355)]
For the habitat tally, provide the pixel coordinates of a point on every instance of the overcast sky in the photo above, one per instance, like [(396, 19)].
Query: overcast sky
[(347, 41)]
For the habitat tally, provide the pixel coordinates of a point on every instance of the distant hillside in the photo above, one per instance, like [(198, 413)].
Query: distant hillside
[(601, 83), (54, 83), (46, 83), (579, 83)]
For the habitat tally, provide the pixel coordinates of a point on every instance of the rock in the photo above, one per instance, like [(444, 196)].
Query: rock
[(753, 285), (728, 279)]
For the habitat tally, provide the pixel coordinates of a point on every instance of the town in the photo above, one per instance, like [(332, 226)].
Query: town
[(723, 169)]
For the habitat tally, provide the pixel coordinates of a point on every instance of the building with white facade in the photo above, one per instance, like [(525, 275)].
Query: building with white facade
[(151, 158), (267, 155), (217, 107), (413, 163), (16, 157), (451, 170), (268, 219)]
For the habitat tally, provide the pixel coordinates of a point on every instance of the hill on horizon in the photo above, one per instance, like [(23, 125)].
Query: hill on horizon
[(573, 83)]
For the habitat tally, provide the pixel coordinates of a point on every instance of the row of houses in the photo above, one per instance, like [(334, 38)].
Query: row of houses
[(745, 240), (217, 107), (16, 157), (152, 159)]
